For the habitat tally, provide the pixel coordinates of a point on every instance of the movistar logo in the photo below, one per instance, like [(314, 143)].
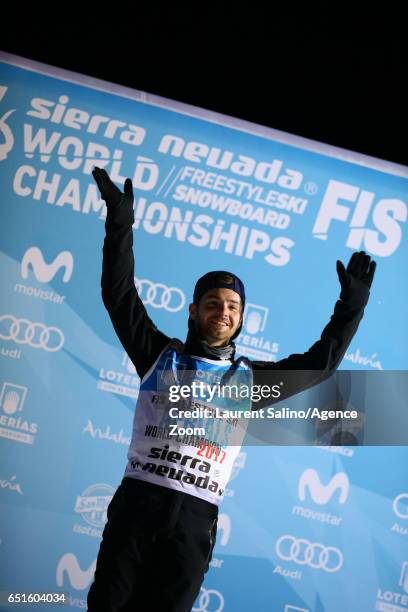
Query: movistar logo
[(78, 578), (43, 271), (320, 493)]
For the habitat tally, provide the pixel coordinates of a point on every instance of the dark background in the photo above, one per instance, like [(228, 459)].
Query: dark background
[(320, 70)]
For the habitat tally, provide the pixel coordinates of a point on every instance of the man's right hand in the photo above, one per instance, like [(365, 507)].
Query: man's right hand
[(109, 192)]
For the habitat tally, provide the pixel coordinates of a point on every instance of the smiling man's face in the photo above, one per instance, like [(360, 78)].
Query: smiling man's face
[(218, 315)]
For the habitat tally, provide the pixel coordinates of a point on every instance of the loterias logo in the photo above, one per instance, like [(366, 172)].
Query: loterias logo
[(12, 425), (125, 382), (395, 601), (6, 135), (251, 341)]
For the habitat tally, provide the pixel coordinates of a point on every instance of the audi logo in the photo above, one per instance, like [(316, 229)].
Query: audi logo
[(159, 295), (209, 600), (35, 335), (400, 505), (314, 555)]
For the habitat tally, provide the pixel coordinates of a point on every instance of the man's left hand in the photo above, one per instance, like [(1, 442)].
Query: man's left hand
[(358, 276)]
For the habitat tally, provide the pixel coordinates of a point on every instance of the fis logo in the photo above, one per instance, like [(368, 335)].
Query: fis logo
[(6, 135), (321, 494), (45, 272), (78, 578), (386, 215)]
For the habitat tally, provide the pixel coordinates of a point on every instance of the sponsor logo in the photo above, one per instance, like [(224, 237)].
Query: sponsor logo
[(159, 295), (321, 494), (312, 554), (105, 433), (385, 215), (44, 272), (127, 363), (12, 397), (179, 474), (36, 335), (393, 601), (264, 171), (400, 505), (403, 581), (11, 484), (255, 318), (224, 525), (6, 138), (358, 358), (251, 342), (121, 383), (209, 600), (92, 505), (68, 566), (15, 428), (60, 113), (217, 563)]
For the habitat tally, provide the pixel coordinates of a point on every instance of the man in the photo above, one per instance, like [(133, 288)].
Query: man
[(158, 540)]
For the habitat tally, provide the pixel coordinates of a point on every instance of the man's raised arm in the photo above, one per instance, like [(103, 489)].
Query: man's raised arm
[(140, 338), (318, 363)]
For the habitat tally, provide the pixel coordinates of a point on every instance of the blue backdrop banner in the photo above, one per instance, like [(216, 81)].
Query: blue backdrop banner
[(302, 529)]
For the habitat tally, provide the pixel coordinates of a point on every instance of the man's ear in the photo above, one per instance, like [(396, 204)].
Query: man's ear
[(193, 310)]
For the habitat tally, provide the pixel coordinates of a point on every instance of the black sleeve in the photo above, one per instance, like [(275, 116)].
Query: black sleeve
[(140, 338), (301, 371)]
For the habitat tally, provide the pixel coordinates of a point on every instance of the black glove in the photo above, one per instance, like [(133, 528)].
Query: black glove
[(356, 279), (109, 192)]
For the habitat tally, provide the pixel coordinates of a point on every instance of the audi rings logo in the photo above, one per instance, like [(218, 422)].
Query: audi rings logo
[(209, 600), (314, 555), (36, 335), (159, 295), (400, 505)]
